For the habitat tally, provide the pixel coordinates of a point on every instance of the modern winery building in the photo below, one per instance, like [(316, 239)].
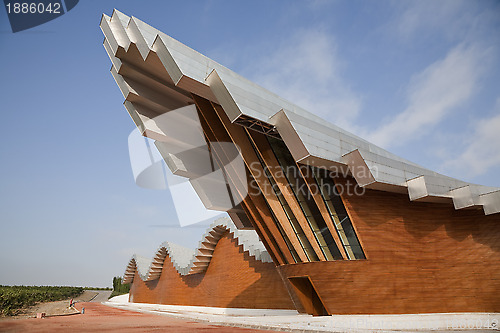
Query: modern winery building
[(321, 220)]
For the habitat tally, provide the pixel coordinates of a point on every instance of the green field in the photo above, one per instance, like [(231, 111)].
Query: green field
[(14, 298)]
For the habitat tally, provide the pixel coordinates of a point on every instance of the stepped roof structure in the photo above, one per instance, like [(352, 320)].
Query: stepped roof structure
[(187, 261), (318, 214), (250, 105)]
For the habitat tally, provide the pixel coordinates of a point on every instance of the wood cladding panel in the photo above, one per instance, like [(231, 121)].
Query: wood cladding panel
[(215, 132), (238, 136), (233, 279), (423, 258), (223, 130), (271, 163)]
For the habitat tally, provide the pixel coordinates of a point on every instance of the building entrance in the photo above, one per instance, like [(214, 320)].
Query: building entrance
[(308, 296)]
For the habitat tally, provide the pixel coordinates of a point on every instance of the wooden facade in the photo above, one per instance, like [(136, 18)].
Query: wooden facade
[(373, 252), (421, 258), (232, 280)]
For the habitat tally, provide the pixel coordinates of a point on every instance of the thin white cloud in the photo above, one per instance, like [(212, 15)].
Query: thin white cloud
[(431, 17), (482, 152), (433, 94), (306, 69)]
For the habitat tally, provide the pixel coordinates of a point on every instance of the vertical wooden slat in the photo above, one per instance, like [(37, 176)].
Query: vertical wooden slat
[(267, 239), (238, 136), (264, 234), (276, 244), (267, 155)]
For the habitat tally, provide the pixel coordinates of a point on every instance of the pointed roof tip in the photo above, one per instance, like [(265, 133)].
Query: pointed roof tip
[(120, 15), (185, 259), (117, 12), (104, 17)]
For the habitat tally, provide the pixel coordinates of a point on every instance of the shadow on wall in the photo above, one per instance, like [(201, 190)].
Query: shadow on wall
[(261, 291), (426, 219), (483, 229), (151, 285), (426, 222), (232, 279), (193, 280)]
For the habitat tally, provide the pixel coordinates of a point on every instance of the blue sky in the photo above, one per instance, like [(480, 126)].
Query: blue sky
[(419, 78)]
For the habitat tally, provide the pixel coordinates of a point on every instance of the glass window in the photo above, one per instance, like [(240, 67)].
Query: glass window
[(338, 214), (306, 202), (304, 242)]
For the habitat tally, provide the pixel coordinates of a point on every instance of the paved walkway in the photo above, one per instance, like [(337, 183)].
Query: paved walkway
[(119, 315), (100, 318), (291, 321)]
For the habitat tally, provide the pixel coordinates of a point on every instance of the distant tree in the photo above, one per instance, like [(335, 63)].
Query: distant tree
[(118, 287), (116, 281)]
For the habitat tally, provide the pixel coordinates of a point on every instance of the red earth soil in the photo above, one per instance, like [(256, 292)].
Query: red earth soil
[(99, 318)]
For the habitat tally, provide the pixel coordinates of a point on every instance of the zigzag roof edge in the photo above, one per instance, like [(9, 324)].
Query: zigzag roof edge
[(187, 261), (392, 173)]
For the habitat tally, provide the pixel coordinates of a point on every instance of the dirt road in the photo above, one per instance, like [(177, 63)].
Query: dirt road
[(61, 307), (96, 296)]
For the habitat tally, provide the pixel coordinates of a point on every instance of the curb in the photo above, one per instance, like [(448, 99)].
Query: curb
[(274, 327), (216, 323), (61, 314)]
